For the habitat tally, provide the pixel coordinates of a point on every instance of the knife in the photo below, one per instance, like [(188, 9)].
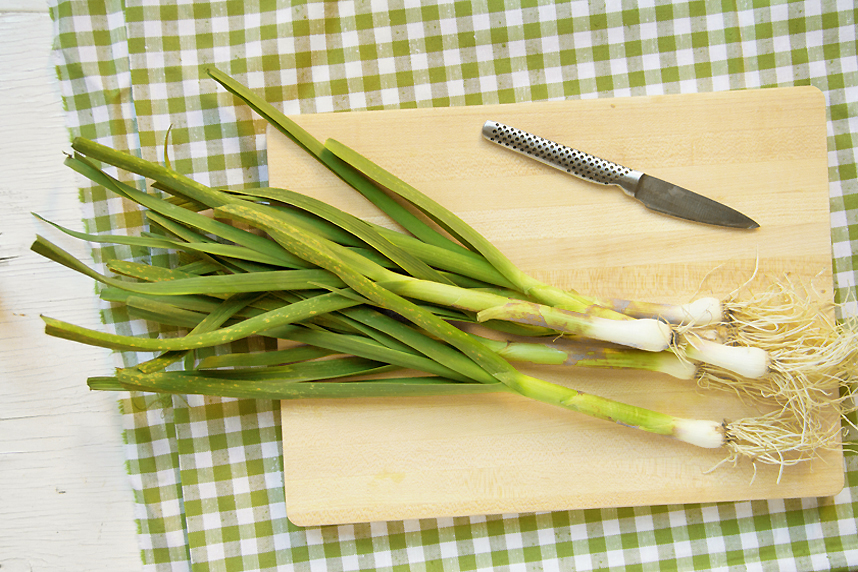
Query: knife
[(654, 193)]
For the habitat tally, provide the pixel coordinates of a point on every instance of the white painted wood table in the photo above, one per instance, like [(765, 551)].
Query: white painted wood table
[(65, 498)]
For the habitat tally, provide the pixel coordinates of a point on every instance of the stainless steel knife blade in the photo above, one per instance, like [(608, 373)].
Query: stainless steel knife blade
[(656, 194)]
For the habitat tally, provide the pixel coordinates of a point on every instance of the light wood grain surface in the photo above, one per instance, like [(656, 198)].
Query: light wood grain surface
[(762, 152), (65, 498)]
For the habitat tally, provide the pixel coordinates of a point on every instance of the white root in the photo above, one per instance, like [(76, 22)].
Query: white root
[(812, 368), (812, 359), (780, 438)]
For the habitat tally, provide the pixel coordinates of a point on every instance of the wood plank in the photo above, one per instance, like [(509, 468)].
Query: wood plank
[(762, 152), (67, 497)]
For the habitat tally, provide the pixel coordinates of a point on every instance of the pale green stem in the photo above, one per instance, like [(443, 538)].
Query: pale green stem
[(702, 433), (559, 353)]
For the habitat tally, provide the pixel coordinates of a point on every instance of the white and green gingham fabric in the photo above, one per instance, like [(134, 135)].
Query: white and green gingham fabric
[(207, 473)]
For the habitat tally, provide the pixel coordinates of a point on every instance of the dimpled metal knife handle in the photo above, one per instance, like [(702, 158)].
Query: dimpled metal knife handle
[(561, 157)]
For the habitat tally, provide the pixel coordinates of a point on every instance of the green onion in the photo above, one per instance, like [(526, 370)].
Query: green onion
[(267, 321), (363, 300), (384, 387), (313, 249)]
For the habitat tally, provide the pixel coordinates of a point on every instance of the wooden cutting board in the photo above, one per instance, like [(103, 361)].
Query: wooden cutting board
[(762, 152)]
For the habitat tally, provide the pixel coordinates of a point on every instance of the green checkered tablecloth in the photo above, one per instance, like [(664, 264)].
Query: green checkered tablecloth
[(207, 473)]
